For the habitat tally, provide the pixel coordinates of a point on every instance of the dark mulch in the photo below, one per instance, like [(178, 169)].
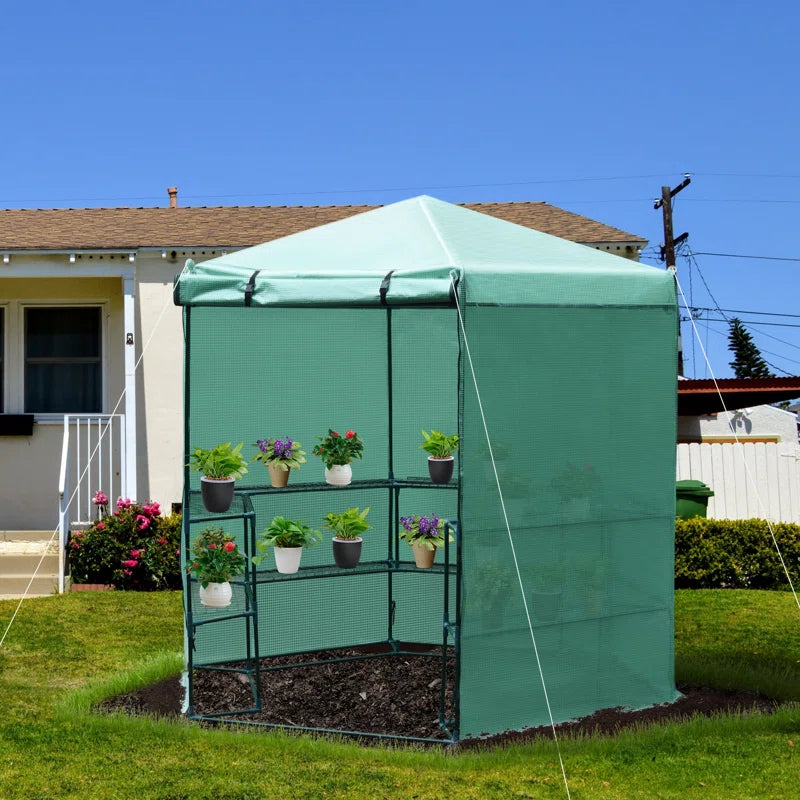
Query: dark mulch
[(396, 695)]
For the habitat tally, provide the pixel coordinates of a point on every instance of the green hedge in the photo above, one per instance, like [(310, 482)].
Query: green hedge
[(734, 554)]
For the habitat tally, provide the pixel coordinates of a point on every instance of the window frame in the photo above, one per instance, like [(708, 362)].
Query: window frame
[(15, 352)]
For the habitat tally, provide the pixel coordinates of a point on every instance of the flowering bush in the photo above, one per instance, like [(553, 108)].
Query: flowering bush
[(283, 453), (423, 531), (133, 548), (335, 449), (215, 558)]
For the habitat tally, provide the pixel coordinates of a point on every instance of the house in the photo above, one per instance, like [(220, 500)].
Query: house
[(88, 328), (750, 456)]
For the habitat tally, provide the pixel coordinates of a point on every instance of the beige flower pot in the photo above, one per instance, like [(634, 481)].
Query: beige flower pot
[(423, 557), (278, 477)]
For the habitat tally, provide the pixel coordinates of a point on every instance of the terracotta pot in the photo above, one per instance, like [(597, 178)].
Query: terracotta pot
[(346, 552), (216, 595), (441, 469), (217, 494), (277, 476), (423, 557), (339, 475)]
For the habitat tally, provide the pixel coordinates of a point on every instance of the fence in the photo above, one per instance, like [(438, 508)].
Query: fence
[(751, 479)]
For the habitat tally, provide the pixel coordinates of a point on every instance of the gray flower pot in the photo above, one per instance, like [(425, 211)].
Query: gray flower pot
[(217, 495), (347, 552)]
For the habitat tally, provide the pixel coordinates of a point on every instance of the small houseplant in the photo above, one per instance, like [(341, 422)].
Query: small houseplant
[(288, 538), (441, 459), (337, 452), (425, 534), (279, 456), (214, 560), (221, 467), (347, 528)]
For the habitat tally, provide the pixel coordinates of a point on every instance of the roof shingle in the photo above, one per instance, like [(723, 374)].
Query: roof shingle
[(244, 226)]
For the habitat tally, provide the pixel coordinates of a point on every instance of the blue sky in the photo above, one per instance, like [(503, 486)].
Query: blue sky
[(588, 106)]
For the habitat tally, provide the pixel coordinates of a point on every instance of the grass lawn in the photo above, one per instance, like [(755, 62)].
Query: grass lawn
[(65, 652)]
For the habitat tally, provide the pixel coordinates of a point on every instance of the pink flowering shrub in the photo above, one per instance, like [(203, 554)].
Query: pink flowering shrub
[(133, 548)]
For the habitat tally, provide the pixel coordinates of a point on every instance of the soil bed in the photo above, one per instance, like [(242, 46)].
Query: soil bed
[(390, 695)]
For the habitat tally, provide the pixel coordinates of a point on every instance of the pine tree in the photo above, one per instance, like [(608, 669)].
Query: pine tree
[(747, 361)]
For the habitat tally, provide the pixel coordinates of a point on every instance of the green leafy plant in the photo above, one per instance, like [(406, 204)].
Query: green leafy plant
[(215, 558), (134, 548), (221, 462), (282, 532), (439, 445), (423, 531), (335, 449), (349, 524), (284, 453), (734, 554)]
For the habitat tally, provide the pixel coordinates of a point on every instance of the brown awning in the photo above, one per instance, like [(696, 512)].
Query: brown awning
[(698, 397)]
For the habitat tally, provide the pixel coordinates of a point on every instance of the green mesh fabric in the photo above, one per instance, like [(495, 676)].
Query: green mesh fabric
[(576, 372)]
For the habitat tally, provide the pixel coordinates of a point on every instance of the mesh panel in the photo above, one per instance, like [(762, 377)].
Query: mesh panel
[(580, 408)]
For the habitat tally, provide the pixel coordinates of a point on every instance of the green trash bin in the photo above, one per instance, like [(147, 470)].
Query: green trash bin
[(691, 499)]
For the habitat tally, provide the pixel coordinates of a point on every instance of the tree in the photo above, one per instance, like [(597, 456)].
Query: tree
[(747, 361)]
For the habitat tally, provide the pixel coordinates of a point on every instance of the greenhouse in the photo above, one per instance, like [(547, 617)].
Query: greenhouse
[(552, 592)]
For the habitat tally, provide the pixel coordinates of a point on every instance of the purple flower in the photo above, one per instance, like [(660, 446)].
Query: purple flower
[(407, 522), (263, 445)]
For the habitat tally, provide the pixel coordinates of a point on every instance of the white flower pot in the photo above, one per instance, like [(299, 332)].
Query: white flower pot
[(287, 559), (216, 595), (339, 475)]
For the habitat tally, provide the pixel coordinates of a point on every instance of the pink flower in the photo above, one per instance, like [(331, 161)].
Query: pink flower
[(76, 545), (212, 547), (144, 522), (127, 572), (135, 553), (123, 503), (230, 547), (177, 552), (333, 433), (130, 563), (153, 509), (161, 540), (349, 434), (100, 498), (100, 526)]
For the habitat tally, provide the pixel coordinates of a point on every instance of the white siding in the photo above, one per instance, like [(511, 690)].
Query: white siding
[(753, 479)]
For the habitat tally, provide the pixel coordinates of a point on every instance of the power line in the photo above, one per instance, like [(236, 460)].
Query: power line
[(757, 258), (746, 311)]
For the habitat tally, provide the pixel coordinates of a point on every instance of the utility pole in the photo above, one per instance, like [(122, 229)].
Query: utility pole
[(670, 242)]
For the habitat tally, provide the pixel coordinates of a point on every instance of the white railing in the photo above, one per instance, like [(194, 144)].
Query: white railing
[(92, 459)]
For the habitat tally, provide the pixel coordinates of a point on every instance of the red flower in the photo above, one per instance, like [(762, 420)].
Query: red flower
[(100, 526), (230, 547), (333, 433), (130, 563), (212, 547), (162, 540), (349, 434)]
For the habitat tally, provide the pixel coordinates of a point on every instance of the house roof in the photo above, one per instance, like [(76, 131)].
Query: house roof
[(244, 226), (699, 397)]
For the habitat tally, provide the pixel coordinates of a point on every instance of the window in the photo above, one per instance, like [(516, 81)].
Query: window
[(63, 359)]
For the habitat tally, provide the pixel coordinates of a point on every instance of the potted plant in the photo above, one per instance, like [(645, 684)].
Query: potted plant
[(221, 468), (425, 534), (337, 452), (214, 560), (279, 456), (347, 528), (440, 460), (288, 538), (547, 581)]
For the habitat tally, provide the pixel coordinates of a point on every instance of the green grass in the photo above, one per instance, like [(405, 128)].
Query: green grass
[(65, 653)]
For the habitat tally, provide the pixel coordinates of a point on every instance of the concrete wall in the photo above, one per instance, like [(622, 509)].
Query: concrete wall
[(760, 423)]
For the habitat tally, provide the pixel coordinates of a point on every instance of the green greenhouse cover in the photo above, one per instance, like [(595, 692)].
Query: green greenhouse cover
[(424, 243), (556, 366)]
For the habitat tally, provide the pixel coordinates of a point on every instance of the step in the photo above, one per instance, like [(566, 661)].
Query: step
[(15, 585), (25, 564), (26, 536)]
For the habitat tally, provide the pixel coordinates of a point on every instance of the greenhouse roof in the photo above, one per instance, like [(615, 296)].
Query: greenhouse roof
[(426, 245)]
